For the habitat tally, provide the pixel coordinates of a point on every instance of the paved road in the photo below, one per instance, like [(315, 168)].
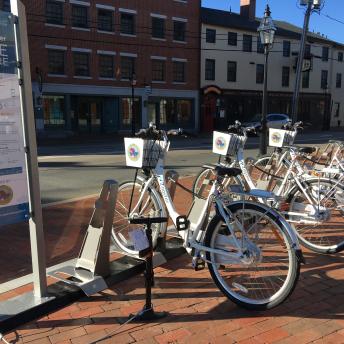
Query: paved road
[(68, 172)]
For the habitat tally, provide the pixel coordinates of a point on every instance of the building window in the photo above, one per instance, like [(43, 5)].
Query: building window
[(179, 29), (286, 48), (81, 64), (247, 43), (285, 76), (231, 71), (336, 109), (79, 16), (324, 75), (56, 62), (105, 20), (339, 80), (158, 70), (179, 71), (6, 6), (308, 51), (211, 36), (260, 46), (127, 67), (128, 23), (324, 55), (54, 111), (340, 56), (106, 66), (305, 79), (174, 111), (54, 12), (209, 69), (232, 38), (158, 28), (260, 73)]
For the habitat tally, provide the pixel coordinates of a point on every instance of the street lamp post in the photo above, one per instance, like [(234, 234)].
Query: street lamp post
[(266, 31), (133, 83)]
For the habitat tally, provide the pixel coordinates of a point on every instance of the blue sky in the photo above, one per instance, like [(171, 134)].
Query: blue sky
[(287, 10)]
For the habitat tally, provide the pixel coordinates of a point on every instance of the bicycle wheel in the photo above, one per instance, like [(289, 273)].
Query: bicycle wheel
[(200, 187), (150, 205), (321, 228), (270, 272)]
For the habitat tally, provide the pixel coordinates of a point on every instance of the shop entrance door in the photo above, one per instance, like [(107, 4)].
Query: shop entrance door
[(89, 115)]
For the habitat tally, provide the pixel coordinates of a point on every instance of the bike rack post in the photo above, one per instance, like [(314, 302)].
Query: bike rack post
[(93, 262), (172, 177)]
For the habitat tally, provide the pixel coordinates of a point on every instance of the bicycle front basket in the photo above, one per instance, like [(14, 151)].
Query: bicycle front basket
[(141, 153), (280, 137), (227, 144)]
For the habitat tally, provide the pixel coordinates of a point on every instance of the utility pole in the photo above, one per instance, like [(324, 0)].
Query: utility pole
[(295, 105), (311, 5)]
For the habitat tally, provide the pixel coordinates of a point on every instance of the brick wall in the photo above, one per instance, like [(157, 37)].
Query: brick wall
[(41, 35)]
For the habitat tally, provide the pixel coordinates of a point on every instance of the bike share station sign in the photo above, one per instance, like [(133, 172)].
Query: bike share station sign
[(14, 204)]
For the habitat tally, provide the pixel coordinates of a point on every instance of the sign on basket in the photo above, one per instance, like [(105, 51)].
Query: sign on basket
[(227, 144), (141, 153), (280, 138)]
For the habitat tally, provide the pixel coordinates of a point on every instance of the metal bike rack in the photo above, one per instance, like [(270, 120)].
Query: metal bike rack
[(93, 262)]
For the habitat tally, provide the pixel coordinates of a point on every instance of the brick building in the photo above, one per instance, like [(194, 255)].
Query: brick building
[(85, 54)]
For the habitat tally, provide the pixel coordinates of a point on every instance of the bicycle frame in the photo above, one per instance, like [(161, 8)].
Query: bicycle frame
[(193, 236)]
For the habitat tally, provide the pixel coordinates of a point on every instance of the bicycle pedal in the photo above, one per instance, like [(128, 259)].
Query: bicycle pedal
[(198, 264)]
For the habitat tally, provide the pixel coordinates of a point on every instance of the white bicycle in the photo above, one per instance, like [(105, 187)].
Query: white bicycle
[(252, 253), (312, 204)]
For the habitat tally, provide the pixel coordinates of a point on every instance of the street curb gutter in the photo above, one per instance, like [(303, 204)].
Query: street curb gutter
[(63, 294)]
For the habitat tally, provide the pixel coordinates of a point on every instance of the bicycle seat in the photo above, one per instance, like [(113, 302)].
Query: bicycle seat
[(227, 171), (307, 150), (304, 150)]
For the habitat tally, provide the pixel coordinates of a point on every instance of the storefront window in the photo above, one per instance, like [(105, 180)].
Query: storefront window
[(54, 107), (127, 112), (176, 111)]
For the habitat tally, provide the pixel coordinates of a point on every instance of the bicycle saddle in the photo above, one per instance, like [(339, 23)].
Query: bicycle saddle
[(305, 150), (227, 171)]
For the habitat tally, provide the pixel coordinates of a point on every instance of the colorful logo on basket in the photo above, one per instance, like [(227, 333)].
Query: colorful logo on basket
[(276, 137), (6, 194), (133, 152), (220, 143)]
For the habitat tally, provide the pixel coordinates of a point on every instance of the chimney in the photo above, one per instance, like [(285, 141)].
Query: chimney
[(248, 9)]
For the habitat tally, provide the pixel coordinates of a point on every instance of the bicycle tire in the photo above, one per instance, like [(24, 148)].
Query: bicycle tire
[(246, 293), (121, 226)]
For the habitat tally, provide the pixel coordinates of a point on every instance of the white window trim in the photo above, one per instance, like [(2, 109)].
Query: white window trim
[(176, 59), (106, 32), (184, 20), (162, 58), (126, 10), (158, 82), (55, 25), (79, 2), (127, 35), (161, 16), (80, 28), (107, 79), (181, 42), (179, 83), (106, 7), (55, 47), (128, 54), (182, 1), (60, 0), (106, 52), (158, 39), (82, 50)]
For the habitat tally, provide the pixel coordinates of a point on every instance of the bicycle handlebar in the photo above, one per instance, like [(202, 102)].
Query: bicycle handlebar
[(152, 133), (239, 129)]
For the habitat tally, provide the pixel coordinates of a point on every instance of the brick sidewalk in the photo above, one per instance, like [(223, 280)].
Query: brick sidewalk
[(199, 313)]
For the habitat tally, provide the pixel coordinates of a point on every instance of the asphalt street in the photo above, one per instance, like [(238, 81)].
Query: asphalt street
[(74, 171)]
